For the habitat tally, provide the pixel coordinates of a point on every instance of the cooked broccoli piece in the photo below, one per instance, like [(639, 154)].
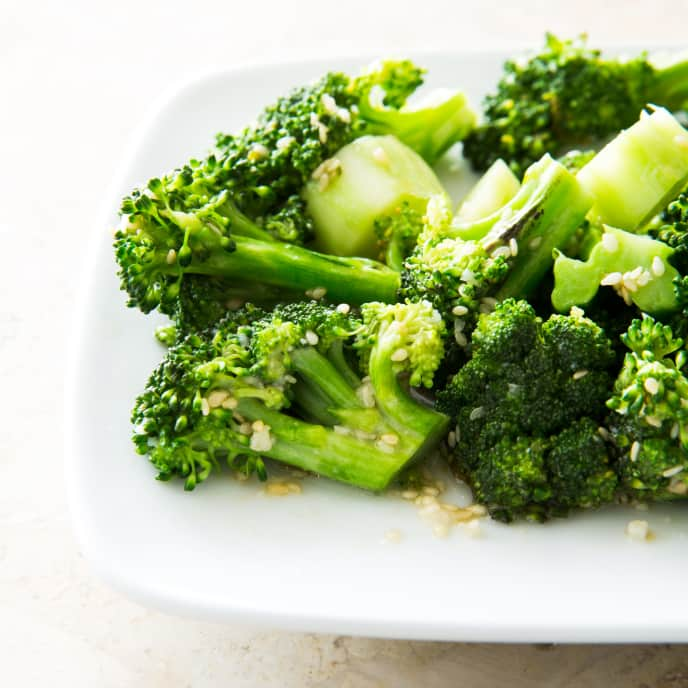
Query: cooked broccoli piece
[(575, 160), (463, 267), (649, 419), (285, 385), (672, 229), (566, 96), (161, 242), (356, 199), (528, 406), (491, 193)]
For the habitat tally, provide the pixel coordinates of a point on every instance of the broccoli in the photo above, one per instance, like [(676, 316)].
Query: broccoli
[(161, 242), (633, 176), (567, 95), (463, 267), (370, 198), (264, 168), (649, 419), (528, 406), (284, 384)]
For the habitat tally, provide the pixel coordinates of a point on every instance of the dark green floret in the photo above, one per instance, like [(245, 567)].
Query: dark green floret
[(649, 422), (566, 96), (303, 384), (528, 406)]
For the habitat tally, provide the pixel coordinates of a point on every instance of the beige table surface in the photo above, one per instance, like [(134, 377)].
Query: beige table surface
[(75, 79)]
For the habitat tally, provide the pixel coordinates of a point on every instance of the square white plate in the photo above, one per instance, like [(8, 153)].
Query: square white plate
[(318, 561)]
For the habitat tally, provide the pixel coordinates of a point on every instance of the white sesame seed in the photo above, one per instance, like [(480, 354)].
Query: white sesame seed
[(294, 488), (217, 397), (399, 355), (674, 431), (341, 429), (393, 536), (604, 434), (277, 489), (284, 143), (635, 451), (230, 403), (459, 325), (477, 413), (671, 472), (380, 156), (638, 530), (257, 153), (653, 421), (677, 486), (431, 491), (651, 385), (451, 439), (501, 252), (468, 276), (611, 279), (579, 374), (460, 339), (576, 312), (312, 338), (489, 301), (658, 267), (366, 395), (245, 428), (390, 438), (344, 115), (610, 242), (171, 256), (260, 439), (459, 310), (513, 247), (329, 103), (343, 308), (258, 426), (205, 406)]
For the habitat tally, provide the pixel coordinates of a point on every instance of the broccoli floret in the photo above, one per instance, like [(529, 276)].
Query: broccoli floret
[(161, 242), (649, 419), (528, 406), (286, 385), (462, 268), (567, 95)]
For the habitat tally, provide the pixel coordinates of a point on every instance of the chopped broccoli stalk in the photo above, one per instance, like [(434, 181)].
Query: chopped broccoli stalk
[(634, 176), (637, 267), (284, 385), (649, 419), (369, 181), (511, 250), (565, 96), (155, 250), (528, 406), (491, 193)]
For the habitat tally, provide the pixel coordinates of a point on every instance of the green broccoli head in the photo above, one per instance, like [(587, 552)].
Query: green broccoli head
[(530, 382), (566, 95), (649, 413)]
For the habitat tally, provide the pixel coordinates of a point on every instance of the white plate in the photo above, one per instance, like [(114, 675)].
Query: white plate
[(318, 561)]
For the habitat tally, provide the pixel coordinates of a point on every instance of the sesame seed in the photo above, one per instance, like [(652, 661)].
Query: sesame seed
[(205, 406), (431, 491), (459, 310), (380, 156), (610, 242), (651, 385), (534, 243), (230, 403), (501, 252), (171, 256), (312, 338), (245, 428), (258, 426), (390, 438), (674, 431), (611, 279), (468, 276), (217, 397), (344, 115), (477, 413), (257, 153), (671, 472), (277, 489), (579, 374), (460, 339), (329, 103), (393, 536), (451, 439), (635, 451), (260, 439), (513, 247), (653, 421), (658, 267), (294, 488), (343, 308), (366, 395), (399, 355), (677, 486), (284, 143), (576, 312), (638, 530), (341, 429), (604, 434)]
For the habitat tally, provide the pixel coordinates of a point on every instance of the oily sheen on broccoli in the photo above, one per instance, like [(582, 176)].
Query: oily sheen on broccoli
[(567, 95), (285, 384), (528, 406)]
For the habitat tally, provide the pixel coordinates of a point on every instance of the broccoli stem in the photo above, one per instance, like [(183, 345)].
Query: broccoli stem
[(323, 451), (351, 280)]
